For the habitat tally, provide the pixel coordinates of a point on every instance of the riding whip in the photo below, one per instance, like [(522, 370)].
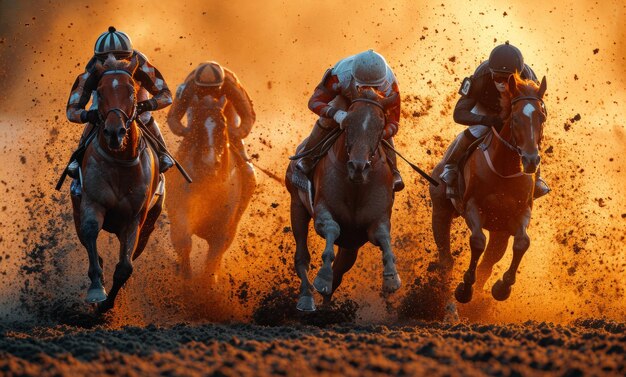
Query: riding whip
[(420, 171)]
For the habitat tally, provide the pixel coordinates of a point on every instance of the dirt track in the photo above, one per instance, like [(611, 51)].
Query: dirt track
[(588, 347)]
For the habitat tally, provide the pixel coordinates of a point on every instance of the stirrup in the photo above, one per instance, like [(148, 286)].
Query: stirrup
[(304, 164), (450, 174), (398, 183)]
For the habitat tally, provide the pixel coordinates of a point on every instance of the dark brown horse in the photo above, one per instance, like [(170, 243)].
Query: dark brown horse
[(498, 195), (120, 178), (352, 201), (212, 206)]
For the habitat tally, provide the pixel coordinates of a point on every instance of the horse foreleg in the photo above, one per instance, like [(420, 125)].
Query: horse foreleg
[(328, 228), (180, 235), (498, 241), (148, 226), (381, 237), (300, 219), (343, 263), (478, 240), (91, 220), (521, 242), (443, 213), (124, 268)]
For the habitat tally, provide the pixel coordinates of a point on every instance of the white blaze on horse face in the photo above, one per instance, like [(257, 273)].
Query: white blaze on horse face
[(528, 110), (366, 121), (115, 83), (209, 125)]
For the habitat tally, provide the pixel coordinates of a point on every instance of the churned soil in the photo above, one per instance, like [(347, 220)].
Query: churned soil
[(584, 347)]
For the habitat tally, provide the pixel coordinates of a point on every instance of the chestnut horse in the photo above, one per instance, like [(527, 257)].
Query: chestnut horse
[(351, 204), (498, 195), (212, 206), (120, 177)]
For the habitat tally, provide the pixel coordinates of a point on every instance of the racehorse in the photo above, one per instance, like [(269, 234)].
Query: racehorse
[(350, 202), (120, 178), (498, 191), (212, 206)]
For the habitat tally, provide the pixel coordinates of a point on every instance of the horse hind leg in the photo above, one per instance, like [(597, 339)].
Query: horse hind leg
[(343, 263), (328, 228), (381, 236), (464, 290), (300, 219), (180, 235), (498, 242), (91, 220), (442, 216), (521, 242)]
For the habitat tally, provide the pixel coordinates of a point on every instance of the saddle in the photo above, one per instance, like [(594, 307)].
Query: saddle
[(481, 143), (303, 181)]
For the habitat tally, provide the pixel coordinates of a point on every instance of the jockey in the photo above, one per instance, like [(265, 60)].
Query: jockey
[(333, 95), (479, 107), (211, 79), (151, 81)]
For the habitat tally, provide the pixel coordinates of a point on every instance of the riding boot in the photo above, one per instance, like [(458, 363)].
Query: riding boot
[(306, 163), (398, 183), (541, 187), (72, 168), (165, 161), (451, 169), (240, 149)]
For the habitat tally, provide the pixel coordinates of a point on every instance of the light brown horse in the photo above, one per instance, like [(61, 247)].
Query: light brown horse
[(213, 204), (498, 195), (120, 177), (351, 205)]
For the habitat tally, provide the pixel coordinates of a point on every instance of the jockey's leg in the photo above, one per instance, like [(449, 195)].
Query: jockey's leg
[(398, 184), (322, 128), (165, 161), (541, 187), (72, 168), (451, 169)]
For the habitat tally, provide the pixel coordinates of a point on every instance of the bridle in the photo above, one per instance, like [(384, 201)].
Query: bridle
[(121, 113), (377, 104), (513, 144)]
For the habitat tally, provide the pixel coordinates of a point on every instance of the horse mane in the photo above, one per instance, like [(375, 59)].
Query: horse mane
[(370, 93), (525, 86), (112, 63)]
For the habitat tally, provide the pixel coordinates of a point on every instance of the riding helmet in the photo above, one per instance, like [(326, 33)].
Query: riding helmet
[(113, 42), (506, 58), (369, 69)]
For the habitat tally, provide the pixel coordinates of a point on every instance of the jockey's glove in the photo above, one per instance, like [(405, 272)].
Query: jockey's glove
[(339, 116), (91, 116), (144, 106), (492, 121)]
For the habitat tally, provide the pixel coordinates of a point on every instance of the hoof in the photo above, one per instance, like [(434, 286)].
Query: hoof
[(323, 282), (500, 290), (306, 304), (391, 283), (96, 295), (452, 315), (463, 294)]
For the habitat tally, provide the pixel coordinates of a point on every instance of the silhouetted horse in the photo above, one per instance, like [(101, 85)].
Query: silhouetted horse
[(212, 205), (350, 202), (498, 191), (120, 177)]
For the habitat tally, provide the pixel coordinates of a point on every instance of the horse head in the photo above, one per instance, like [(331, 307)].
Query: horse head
[(210, 130), (117, 100), (364, 126), (524, 100)]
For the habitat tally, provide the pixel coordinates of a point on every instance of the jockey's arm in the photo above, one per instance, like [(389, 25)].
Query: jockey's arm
[(178, 109), (323, 94), (152, 80), (393, 114), (238, 97), (463, 112), (81, 93)]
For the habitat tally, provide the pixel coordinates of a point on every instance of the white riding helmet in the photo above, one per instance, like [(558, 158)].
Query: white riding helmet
[(369, 69)]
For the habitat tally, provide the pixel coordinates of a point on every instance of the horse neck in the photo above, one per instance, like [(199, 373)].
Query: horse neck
[(339, 149), (504, 160)]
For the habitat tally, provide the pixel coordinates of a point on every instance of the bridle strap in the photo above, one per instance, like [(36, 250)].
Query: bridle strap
[(506, 143), (370, 101)]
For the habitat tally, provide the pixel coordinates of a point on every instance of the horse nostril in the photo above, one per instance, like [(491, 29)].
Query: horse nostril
[(121, 132), (107, 133), (351, 166), (537, 160)]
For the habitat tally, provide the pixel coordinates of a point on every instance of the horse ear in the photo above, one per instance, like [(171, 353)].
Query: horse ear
[(542, 87), (512, 85), (133, 64), (99, 67)]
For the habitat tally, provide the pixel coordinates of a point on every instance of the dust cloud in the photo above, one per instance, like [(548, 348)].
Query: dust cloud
[(279, 50)]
